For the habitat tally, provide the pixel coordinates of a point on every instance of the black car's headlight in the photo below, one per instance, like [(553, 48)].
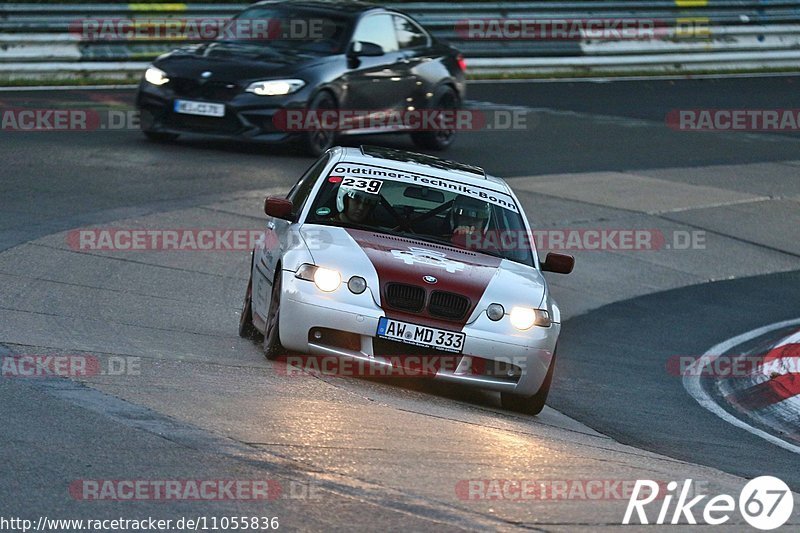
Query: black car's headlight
[(275, 87), (156, 76)]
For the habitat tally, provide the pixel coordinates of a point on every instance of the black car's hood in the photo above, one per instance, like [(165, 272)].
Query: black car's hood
[(235, 61)]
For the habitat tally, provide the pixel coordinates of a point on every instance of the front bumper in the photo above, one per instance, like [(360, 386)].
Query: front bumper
[(304, 307), (247, 116)]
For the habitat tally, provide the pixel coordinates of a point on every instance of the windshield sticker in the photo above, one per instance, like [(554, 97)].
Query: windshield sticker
[(365, 171), (429, 258), (360, 184)]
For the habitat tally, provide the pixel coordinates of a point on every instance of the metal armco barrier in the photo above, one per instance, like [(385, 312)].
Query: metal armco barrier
[(43, 41)]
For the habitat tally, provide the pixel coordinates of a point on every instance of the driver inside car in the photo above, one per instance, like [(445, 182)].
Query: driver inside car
[(469, 219), (354, 205)]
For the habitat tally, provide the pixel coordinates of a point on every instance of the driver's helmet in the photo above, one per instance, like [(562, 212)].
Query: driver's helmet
[(468, 211), (350, 192)]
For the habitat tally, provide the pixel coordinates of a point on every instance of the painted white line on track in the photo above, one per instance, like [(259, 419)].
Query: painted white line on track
[(663, 77), (66, 88), (691, 382)]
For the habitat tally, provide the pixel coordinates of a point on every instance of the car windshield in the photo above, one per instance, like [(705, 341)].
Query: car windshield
[(289, 28), (426, 208)]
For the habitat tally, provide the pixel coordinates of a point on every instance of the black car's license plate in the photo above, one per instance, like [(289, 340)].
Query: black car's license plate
[(202, 109)]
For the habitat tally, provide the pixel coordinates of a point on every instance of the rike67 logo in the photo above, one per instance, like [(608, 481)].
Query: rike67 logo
[(765, 503)]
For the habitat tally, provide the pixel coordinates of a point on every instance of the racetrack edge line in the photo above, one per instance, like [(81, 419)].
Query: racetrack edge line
[(691, 382)]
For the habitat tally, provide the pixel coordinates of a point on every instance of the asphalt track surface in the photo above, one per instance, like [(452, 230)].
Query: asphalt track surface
[(604, 377), (207, 406)]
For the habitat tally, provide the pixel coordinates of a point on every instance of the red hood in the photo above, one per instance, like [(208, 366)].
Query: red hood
[(408, 261)]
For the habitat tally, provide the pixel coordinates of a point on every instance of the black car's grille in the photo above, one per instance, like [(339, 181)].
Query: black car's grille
[(405, 297), (448, 305), (219, 91)]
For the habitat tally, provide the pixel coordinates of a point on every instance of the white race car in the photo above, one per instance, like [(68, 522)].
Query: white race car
[(379, 254)]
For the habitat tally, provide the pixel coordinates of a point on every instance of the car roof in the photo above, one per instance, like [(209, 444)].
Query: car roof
[(351, 7), (423, 164)]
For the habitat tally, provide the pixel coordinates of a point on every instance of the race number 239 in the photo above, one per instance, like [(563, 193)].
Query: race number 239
[(369, 186)]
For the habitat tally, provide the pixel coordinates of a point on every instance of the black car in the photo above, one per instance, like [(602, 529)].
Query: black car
[(360, 61)]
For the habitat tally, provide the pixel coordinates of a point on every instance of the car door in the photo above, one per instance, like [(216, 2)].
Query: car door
[(414, 44), (374, 83), (277, 239), (265, 259)]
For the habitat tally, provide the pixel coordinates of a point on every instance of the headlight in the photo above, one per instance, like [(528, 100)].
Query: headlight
[(524, 318), (275, 87), (357, 284), (156, 76), (495, 312), (325, 279)]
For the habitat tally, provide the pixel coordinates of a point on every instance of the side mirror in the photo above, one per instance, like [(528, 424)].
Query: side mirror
[(278, 207), (363, 49), (558, 263)]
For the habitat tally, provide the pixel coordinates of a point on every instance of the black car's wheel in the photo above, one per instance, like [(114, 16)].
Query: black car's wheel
[(531, 405), (316, 142), (445, 98), (160, 136), (272, 338), (246, 328)]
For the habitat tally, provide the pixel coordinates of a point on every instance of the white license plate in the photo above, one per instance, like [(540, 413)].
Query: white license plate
[(440, 339), (203, 109)]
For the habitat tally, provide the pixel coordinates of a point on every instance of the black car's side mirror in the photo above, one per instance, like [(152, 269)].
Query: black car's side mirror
[(364, 49), (278, 207), (558, 263)]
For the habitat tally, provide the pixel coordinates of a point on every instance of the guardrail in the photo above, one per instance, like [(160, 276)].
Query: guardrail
[(40, 41)]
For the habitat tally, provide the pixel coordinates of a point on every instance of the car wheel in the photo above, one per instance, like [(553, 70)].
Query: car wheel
[(530, 405), (272, 338), (445, 98), (246, 328), (316, 142), (160, 136)]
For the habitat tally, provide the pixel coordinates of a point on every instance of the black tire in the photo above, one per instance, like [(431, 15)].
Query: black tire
[(160, 136), (246, 328), (530, 405), (272, 335), (317, 142), (445, 98)]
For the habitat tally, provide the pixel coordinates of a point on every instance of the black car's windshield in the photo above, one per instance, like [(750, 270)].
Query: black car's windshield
[(422, 207), (289, 28)]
